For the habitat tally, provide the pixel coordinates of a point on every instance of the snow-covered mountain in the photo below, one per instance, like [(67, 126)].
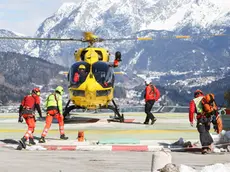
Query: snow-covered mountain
[(11, 45), (120, 18)]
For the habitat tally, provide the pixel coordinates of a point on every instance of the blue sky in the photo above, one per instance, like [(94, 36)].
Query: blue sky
[(25, 16)]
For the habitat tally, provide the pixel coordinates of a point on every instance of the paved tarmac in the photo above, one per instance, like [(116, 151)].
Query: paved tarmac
[(169, 127), (97, 161), (96, 127)]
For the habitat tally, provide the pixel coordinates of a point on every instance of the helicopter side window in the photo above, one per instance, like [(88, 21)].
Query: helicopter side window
[(78, 73), (103, 74), (100, 56)]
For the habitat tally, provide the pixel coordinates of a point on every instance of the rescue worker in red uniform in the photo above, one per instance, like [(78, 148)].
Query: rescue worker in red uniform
[(81, 74), (27, 108), (54, 110), (117, 59), (152, 94), (203, 122)]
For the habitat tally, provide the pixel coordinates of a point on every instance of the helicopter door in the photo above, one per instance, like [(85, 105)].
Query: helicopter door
[(103, 74), (78, 73)]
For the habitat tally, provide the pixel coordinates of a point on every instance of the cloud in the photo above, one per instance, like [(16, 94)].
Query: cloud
[(25, 16)]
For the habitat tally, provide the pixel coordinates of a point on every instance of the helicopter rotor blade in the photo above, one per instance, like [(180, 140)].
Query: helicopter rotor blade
[(119, 73), (43, 39), (90, 37), (127, 39)]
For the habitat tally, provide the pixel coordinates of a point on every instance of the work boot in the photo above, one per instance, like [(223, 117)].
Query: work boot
[(31, 141), (22, 142), (63, 137), (204, 151), (42, 140), (153, 121)]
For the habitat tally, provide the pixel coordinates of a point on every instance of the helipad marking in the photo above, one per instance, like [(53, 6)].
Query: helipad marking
[(102, 131), (1, 116)]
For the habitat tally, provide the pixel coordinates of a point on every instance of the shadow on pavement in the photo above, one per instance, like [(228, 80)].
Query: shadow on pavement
[(9, 141), (77, 120)]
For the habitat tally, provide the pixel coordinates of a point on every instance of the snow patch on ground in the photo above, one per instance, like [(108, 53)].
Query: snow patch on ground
[(211, 168)]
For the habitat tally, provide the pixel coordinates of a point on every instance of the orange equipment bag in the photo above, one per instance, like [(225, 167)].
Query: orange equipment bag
[(211, 110), (209, 105)]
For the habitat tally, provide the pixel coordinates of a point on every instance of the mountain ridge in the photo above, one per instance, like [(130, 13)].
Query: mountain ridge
[(181, 64)]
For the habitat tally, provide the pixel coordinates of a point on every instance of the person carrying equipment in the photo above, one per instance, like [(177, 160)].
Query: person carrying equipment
[(54, 110), (152, 94), (27, 108), (211, 110), (203, 121)]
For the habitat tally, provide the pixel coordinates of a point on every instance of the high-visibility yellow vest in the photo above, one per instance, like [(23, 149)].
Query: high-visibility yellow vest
[(198, 103), (54, 99)]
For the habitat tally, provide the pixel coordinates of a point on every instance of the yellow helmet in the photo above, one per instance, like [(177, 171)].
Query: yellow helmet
[(81, 67), (60, 90)]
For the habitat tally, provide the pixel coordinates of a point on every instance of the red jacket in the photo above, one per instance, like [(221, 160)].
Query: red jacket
[(151, 94), (193, 109), (115, 63), (31, 102)]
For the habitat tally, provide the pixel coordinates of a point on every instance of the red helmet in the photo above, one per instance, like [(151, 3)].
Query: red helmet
[(197, 93), (36, 91)]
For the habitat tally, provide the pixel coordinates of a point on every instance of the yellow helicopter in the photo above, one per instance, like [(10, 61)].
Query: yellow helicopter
[(91, 78)]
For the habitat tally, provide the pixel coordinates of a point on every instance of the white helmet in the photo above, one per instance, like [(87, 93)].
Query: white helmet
[(148, 81)]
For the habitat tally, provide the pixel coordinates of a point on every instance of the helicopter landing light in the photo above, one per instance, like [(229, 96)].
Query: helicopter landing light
[(103, 93), (78, 93)]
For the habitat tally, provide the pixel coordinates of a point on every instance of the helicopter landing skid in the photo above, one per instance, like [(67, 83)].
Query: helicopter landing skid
[(117, 116), (69, 108), (116, 119)]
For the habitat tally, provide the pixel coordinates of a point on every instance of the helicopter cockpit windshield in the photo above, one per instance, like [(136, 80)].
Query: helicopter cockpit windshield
[(78, 73), (103, 74)]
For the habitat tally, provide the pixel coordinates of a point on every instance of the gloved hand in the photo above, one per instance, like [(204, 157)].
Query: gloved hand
[(20, 119)]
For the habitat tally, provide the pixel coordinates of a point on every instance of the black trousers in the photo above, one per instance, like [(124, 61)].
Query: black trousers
[(203, 127), (148, 107)]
